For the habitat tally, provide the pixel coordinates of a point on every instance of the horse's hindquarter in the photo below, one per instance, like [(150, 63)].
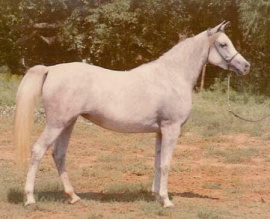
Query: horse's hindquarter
[(119, 101)]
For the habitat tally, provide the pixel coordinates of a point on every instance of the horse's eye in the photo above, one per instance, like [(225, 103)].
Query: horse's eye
[(223, 45)]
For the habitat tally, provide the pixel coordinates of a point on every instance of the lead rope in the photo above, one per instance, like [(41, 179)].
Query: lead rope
[(233, 113), (203, 77)]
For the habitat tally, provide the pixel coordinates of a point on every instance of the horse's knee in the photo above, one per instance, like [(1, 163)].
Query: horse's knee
[(37, 152), (164, 169)]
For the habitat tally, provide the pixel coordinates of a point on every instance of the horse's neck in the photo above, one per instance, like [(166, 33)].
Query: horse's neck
[(186, 59)]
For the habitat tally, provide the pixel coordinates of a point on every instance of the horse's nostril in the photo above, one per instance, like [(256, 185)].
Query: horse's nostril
[(247, 65)]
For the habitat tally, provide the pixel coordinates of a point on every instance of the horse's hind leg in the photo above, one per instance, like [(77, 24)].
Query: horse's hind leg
[(47, 138), (59, 156)]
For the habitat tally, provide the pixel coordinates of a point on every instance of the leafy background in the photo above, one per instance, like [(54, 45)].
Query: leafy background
[(122, 34)]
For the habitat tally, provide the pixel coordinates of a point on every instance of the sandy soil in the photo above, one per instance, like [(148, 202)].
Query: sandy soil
[(214, 177)]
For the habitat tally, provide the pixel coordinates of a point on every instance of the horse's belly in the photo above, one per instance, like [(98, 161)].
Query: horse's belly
[(125, 126)]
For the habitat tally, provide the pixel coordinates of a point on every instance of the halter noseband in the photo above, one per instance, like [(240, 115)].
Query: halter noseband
[(228, 61)]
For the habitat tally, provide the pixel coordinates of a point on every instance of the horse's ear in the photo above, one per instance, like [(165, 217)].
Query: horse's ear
[(219, 27), (222, 27)]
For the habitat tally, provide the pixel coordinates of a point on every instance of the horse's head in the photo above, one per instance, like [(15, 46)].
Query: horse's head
[(222, 52)]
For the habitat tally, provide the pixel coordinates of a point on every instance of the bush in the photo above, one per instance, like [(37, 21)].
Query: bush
[(8, 88)]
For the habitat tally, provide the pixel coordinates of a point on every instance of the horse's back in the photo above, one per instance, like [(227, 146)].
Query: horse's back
[(104, 96)]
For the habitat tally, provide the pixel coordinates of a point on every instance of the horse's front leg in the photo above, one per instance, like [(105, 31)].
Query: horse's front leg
[(156, 180), (170, 135)]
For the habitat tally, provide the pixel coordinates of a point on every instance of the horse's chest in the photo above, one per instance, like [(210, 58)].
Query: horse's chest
[(176, 110)]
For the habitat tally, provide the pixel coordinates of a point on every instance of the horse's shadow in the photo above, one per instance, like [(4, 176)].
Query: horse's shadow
[(135, 196), (16, 197)]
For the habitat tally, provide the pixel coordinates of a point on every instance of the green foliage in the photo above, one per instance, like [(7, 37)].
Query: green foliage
[(209, 13), (9, 17), (255, 25), (8, 87), (122, 34), (256, 22)]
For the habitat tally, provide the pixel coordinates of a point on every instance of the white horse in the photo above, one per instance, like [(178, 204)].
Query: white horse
[(154, 97)]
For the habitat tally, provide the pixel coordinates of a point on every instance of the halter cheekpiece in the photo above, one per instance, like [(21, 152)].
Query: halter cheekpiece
[(228, 61)]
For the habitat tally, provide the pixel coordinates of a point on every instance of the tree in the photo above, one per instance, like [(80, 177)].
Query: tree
[(9, 17), (124, 33), (255, 23), (209, 13)]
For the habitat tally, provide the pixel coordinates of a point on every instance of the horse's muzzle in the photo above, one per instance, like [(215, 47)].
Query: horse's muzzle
[(242, 69), (246, 68)]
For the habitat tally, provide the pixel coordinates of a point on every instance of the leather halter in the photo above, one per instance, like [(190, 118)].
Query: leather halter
[(228, 61)]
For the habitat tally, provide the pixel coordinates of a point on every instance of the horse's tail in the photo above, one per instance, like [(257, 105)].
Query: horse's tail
[(27, 99)]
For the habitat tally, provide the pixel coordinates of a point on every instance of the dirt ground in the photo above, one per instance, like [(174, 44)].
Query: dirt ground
[(211, 177)]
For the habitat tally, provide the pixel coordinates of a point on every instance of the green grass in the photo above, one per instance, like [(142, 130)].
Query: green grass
[(152, 209), (212, 185), (208, 214), (231, 155), (267, 159), (111, 158), (128, 188), (8, 88), (210, 115)]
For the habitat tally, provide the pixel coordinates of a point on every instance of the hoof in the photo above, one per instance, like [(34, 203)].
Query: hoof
[(168, 204), (30, 200), (74, 200), (30, 203), (165, 202)]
